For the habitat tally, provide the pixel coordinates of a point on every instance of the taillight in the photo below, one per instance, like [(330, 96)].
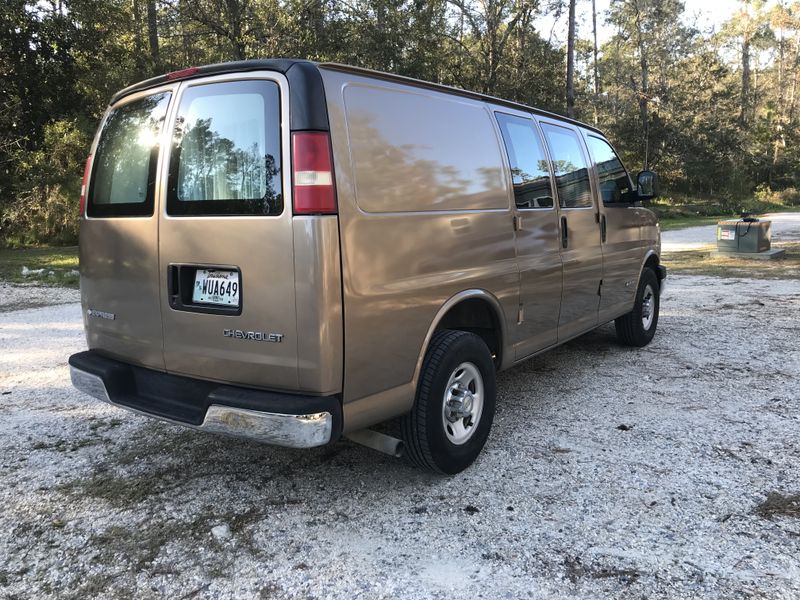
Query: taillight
[(312, 173), (86, 171), (183, 73)]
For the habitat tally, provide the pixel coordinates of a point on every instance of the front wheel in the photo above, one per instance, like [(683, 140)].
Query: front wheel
[(638, 327), (454, 406)]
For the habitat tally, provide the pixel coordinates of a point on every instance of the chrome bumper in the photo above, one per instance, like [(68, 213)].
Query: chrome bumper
[(294, 431)]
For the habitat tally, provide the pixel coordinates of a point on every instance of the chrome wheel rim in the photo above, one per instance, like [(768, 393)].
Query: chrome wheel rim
[(648, 307), (463, 403)]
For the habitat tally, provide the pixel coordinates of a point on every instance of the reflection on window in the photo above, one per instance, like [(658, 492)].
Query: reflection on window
[(529, 170), (569, 164), (126, 155), (226, 153), (614, 181)]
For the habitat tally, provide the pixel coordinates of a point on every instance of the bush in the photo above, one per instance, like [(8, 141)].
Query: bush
[(45, 210)]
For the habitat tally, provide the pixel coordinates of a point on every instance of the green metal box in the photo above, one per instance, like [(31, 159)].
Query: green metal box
[(748, 237)]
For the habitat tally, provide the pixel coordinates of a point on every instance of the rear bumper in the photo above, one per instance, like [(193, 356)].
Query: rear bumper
[(274, 418)]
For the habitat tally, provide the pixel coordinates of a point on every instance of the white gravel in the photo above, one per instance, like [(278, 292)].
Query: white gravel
[(785, 227), (610, 473)]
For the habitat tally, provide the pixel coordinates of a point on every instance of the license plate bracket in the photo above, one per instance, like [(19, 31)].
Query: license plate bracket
[(182, 280), (217, 287)]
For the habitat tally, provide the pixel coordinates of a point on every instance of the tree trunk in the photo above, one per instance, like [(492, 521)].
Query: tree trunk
[(745, 96), (644, 93), (152, 34), (594, 51), (571, 61), (137, 40)]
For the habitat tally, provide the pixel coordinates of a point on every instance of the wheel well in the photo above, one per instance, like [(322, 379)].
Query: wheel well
[(651, 262), (479, 317)]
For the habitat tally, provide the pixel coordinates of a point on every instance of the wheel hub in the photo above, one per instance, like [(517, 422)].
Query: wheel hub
[(463, 403), (648, 299), (459, 405)]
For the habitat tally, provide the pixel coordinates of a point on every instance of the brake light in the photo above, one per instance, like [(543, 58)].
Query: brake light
[(312, 173), (86, 171), (182, 73)]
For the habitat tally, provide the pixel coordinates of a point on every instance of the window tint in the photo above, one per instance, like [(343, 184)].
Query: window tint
[(226, 156), (530, 172), (615, 185), (569, 166), (124, 164)]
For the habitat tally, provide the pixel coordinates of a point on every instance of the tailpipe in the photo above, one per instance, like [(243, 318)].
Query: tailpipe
[(378, 441)]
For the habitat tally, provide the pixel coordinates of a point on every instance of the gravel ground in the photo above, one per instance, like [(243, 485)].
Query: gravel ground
[(610, 473), (785, 227)]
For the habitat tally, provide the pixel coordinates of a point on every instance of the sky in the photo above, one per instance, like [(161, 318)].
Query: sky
[(704, 14)]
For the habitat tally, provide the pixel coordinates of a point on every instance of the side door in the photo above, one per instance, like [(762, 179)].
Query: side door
[(226, 256), (621, 223), (579, 224), (537, 237)]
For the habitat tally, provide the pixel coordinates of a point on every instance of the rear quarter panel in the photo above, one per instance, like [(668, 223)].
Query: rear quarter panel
[(424, 213)]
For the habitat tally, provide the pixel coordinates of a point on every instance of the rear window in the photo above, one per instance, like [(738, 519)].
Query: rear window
[(124, 164), (226, 157)]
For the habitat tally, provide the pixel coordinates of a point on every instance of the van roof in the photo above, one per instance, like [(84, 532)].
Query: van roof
[(303, 75)]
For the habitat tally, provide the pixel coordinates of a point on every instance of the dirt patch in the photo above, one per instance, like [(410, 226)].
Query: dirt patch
[(779, 505)]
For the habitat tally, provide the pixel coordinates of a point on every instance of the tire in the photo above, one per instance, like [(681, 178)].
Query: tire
[(638, 327), (435, 435)]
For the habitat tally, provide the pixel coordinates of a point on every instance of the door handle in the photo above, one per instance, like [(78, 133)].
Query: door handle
[(603, 228), (564, 233)]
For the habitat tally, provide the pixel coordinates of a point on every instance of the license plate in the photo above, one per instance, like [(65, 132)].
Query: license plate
[(727, 234), (216, 286)]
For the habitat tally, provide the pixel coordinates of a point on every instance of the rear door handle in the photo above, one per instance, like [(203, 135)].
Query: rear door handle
[(564, 233), (603, 228)]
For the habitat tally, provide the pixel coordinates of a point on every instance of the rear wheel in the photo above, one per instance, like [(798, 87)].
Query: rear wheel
[(638, 327), (454, 406)]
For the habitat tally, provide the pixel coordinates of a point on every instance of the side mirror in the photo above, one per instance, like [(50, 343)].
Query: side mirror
[(646, 185)]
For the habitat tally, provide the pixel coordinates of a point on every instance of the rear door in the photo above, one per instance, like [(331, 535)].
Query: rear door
[(581, 252), (119, 232), (226, 263)]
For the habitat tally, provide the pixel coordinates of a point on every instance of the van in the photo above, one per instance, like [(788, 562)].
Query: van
[(292, 252)]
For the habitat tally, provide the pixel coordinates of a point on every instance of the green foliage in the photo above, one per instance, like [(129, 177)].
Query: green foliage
[(715, 114)]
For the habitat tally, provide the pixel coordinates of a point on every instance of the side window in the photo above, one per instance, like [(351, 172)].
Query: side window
[(124, 170), (615, 185), (530, 172), (569, 166), (226, 151)]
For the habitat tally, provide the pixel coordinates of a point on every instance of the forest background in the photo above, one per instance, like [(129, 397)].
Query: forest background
[(714, 110)]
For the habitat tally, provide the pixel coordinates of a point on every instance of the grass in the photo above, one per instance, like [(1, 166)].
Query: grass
[(59, 266), (681, 222), (703, 262)]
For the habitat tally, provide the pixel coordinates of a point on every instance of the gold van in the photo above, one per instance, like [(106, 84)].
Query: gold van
[(291, 252)]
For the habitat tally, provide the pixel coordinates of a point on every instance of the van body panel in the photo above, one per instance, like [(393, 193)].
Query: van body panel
[(318, 290), (120, 286), (399, 268), (622, 255), (259, 247), (122, 280)]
